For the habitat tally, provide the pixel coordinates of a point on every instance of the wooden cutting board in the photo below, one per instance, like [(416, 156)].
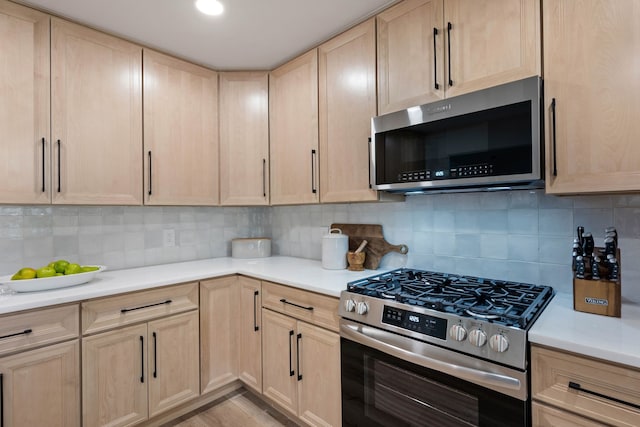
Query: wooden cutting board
[(377, 246)]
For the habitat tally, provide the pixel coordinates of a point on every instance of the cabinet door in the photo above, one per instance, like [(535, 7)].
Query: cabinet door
[(279, 381), (173, 361), (293, 121), (180, 132), (491, 42), (548, 416), (218, 322), (591, 73), (96, 117), (244, 138), (250, 333), (410, 71), (24, 105), (42, 387), (319, 397), (347, 101), (114, 377)]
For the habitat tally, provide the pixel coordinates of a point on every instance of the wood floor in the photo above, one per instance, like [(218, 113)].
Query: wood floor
[(237, 409)]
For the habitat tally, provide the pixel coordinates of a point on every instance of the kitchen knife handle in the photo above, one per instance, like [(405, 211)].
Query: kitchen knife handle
[(149, 172), (291, 373), (553, 135), (313, 172), (436, 86), (141, 359), (43, 161), (298, 341), (59, 163), (578, 387), (155, 355), (255, 311), (369, 159), (25, 332), (264, 177), (310, 308), (449, 27)]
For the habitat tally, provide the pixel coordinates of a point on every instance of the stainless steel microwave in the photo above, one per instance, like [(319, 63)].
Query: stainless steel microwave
[(484, 140)]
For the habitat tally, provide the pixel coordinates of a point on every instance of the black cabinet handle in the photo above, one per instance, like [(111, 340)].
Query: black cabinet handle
[(59, 162), (578, 387), (435, 60), (43, 161), (313, 172), (369, 159), (155, 355), (1, 401), (25, 332), (255, 308), (141, 359), (449, 26), (290, 355), (125, 310), (298, 340), (264, 177), (310, 308), (149, 172), (553, 135)]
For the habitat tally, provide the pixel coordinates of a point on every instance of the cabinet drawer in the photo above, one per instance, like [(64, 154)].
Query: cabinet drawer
[(314, 308), (111, 312), (546, 416), (615, 387), (46, 326)]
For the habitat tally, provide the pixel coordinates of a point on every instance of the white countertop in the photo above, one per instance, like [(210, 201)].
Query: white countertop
[(559, 326), (603, 337), (297, 272)]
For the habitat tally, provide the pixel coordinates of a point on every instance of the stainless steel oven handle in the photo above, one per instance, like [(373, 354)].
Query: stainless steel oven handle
[(362, 334)]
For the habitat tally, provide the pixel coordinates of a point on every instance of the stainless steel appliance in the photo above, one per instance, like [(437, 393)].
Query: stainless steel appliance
[(484, 140), (421, 348)]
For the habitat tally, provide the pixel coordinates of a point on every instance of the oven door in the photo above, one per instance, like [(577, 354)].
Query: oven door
[(391, 380)]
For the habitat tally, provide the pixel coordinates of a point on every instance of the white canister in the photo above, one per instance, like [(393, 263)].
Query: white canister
[(335, 246)]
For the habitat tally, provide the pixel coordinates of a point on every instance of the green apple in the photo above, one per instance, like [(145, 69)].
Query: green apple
[(24, 273), (61, 265), (45, 272), (72, 269)]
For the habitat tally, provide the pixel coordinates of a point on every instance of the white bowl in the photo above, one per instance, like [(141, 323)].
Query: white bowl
[(49, 283)]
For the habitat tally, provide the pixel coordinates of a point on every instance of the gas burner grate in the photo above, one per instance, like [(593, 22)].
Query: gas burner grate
[(509, 303)]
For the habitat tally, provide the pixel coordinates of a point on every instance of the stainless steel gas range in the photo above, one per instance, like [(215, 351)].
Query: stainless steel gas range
[(434, 349)]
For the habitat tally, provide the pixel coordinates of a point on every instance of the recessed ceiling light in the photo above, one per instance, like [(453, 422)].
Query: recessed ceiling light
[(210, 7)]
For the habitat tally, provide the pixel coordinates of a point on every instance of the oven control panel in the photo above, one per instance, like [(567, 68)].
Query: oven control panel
[(417, 322)]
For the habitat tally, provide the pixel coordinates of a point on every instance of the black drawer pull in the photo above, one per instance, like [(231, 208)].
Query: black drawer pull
[(255, 309), (25, 332), (141, 359), (578, 387), (310, 308), (126, 310)]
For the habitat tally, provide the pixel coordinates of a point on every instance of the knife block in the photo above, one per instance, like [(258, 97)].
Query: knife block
[(598, 296)]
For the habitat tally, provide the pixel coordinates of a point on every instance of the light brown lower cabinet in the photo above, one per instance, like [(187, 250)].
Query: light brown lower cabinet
[(41, 387), (137, 372), (250, 333), (574, 390), (301, 369)]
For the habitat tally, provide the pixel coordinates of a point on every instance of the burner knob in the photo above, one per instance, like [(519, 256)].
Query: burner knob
[(361, 307), (477, 337), (499, 343), (458, 333), (349, 305)]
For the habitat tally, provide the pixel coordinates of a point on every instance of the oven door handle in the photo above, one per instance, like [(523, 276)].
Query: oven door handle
[(364, 335)]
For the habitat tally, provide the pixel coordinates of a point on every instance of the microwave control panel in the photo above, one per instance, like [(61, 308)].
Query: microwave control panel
[(467, 171)]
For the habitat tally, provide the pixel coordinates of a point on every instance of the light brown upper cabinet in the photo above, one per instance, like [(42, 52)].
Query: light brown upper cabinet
[(432, 49), (293, 118), (96, 99), (244, 138), (24, 105), (180, 132), (592, 82), (347, 101)]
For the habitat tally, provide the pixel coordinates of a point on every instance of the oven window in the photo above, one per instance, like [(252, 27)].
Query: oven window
[(415, 399), (382, 390)]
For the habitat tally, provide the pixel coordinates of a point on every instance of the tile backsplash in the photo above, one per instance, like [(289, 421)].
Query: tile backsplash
[(518, 235)]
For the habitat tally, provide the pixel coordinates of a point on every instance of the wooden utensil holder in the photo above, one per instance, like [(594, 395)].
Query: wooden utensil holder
[(598, 296)]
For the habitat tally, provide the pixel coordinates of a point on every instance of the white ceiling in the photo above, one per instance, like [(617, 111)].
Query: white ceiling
[(250, 35)]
